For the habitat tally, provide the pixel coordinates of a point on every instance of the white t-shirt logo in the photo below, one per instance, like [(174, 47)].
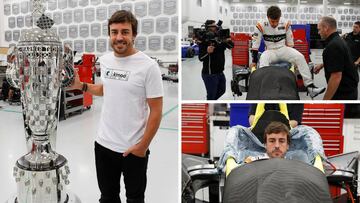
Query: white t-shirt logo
[(117, 74)]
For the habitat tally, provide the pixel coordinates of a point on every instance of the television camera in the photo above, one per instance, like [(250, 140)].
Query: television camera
[(204, 35)]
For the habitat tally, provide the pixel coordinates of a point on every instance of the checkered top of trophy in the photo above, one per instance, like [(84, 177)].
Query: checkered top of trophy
[(44, 22)]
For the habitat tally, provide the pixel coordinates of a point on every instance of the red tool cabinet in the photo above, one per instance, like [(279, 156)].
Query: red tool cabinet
[(194, 129), (74, 101), (328, 120), (302, 47), (240, 52), (86, 72), (300, 41)]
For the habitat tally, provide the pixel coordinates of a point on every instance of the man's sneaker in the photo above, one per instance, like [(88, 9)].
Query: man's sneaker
[(314, 91)]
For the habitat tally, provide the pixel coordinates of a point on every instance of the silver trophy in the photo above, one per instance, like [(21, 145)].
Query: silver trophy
[(39, 69)]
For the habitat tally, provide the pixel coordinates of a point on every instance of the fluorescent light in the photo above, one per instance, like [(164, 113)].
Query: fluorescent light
[(347, 3), (258, 1), (282, 1), (303, 2)]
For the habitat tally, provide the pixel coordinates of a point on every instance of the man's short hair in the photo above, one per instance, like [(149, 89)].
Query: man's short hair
[(274, 12), (123, 16), (329, 21), (357, 23), (276, 127)]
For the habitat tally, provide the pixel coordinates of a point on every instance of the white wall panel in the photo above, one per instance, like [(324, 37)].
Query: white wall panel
[(83, 23), (242, 17)]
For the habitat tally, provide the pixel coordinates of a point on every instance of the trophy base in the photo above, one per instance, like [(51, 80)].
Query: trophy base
[(72, 198), (43, 186)]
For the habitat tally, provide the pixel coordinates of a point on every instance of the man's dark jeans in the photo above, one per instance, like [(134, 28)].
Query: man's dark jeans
[(215, 85), (109, 167)]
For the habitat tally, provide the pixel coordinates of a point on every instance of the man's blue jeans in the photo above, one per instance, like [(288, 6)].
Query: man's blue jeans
[(215, 85)]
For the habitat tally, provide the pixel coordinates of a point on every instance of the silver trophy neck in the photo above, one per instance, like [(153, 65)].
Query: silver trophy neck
[(41, 157), (26, 162)]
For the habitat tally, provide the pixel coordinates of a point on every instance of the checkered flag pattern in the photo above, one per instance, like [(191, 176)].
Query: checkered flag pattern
[(44, 22), (42, 97)]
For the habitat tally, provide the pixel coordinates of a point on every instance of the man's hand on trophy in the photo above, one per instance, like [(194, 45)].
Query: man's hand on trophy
[(76, 84)]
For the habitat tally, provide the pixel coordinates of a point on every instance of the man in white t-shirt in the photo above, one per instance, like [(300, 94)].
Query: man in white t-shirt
[(131, 113)]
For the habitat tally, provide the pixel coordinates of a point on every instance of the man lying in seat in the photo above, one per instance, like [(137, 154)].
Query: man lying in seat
[(271, 137), (276, 141)]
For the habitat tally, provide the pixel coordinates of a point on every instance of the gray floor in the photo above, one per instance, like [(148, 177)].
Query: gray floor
[(75, 141), (193, 87)]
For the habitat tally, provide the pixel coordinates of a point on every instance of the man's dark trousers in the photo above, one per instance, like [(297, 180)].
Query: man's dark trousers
[(111, 165), (215, 85)]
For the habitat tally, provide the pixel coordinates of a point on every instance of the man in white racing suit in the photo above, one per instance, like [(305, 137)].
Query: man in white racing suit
[(279, 41)]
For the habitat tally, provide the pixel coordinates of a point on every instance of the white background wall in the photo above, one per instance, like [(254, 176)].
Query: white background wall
[(164, 13), (194, 15), (2, 24)]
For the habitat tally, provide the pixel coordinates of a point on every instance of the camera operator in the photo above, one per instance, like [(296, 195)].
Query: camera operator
[(212, 46)]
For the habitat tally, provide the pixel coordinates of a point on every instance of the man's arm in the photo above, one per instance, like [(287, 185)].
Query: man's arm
[(289, 35), (251, 114), (94, 89), (295, 114), (357, 61), (257, 36), (203, 51), (228, 43), (153, 123), (293, 123), (317, 68), (251, 119), (256, 41), (333, 84)]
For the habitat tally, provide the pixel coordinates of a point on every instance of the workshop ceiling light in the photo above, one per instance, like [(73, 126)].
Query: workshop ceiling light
[(347, 3), (282, 1), (258, 1), (303, 2)]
